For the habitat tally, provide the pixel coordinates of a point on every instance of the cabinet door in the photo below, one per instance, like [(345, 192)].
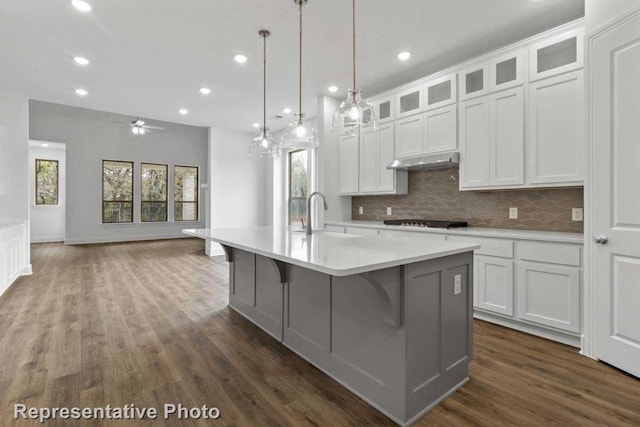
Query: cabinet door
[(440, 129), (369, 162), (475, 143), (384, 109), (507, 70), (495, 285), (556, 130), (349, 165), (440, 92), (474, 81), (556, 55), (549, 295), (386, 155), (409, 101), (410, 136), (507, 137)]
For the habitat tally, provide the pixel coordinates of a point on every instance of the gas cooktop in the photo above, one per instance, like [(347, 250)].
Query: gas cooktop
[(425, 223)]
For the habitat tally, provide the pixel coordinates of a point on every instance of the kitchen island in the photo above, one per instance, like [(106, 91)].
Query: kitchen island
[(388, 317)]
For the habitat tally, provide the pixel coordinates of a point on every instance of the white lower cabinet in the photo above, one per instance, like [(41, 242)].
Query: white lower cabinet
[(549, 295), (495, 285)]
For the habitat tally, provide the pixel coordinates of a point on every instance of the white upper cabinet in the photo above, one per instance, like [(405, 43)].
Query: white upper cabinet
[(384, 108), (440, 92), (410, 101), (507, 70), (410, 136), (440, 130), (389, 180), (349, 165), (556, 55), (507, 137), (368, 161), (475, 143), (474, 80), (556, 130)]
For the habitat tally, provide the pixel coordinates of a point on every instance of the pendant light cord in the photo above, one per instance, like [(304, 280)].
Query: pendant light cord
[(264, 82), (300, 65), (354, 45)]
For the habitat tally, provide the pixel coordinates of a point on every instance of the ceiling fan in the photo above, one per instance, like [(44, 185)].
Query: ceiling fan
[(139, 128)]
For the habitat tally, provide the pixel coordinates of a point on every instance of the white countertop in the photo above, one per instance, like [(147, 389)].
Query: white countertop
[(545, 236), (332, 253)]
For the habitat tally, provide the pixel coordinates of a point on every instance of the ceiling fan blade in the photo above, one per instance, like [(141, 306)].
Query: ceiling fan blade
[(153, 127)]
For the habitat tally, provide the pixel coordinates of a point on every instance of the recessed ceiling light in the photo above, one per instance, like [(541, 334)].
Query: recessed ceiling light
[(286, 110), (45, 145), (240, 59), (81, 92), (403, 56), (333, 89), (256, 125), (183, 111), (81, 60), (81, 5), (205, 90)]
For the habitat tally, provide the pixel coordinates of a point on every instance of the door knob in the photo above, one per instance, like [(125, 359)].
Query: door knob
[(601, 239)]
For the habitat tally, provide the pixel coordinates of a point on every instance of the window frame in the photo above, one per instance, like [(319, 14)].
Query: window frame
[(197, 201), (166, 202), (57, 203), (289, 171), (133, 182)]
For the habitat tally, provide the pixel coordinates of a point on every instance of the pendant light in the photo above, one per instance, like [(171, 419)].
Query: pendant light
[(264, 145), (354, 114), (300, 133)]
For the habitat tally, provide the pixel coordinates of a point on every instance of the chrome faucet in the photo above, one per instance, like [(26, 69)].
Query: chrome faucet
[(315, 193)]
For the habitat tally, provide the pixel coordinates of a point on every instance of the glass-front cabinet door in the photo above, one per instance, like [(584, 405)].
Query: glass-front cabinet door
[(409, 101), (474, 80), (384, 108), (557, 55), (440, 92), (507, 70)]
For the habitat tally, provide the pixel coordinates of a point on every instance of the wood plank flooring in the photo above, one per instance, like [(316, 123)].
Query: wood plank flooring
[(147, 323)]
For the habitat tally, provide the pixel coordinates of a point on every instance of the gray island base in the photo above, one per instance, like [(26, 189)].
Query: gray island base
[(399, 337)]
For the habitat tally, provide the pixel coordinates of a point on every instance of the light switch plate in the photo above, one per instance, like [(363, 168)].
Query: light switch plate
[(360, 210), (576, 214), (389, 210), (457, 284), (513, 213)]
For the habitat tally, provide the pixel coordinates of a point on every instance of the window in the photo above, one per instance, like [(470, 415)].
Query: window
[(154, 192), (46, 182), (117, 191), (297, 186), (186, 193)]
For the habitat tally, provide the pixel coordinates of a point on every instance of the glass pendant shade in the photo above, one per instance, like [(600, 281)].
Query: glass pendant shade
[(299, 134), (264, 145), (353, 115)]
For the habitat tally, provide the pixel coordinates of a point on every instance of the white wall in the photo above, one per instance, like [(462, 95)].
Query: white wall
[(47, 221), (238, 185), (597, 12), (14, 128), (92, 136)]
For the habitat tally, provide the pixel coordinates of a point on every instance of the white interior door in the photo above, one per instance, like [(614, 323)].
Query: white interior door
[(615, 195)]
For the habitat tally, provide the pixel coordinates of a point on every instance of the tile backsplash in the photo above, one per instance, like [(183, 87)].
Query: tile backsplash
[(435, 195)]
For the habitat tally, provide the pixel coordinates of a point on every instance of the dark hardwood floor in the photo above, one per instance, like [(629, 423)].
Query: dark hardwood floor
[(147, 323)]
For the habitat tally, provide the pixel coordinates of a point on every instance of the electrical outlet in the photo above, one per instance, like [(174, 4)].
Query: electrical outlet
[(360, 210), (513, 213), (389, 210), (457, 284), (576, 214)]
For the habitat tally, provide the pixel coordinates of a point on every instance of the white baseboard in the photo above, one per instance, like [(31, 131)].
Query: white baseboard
[(119, 239), (27, 271), (47, 239)]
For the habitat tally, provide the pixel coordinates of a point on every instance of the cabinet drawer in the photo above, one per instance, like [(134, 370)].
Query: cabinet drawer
[(552, 253), (491, 247), (359, 231)]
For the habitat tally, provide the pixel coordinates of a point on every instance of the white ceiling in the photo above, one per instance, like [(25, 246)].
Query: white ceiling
[(150, 57)]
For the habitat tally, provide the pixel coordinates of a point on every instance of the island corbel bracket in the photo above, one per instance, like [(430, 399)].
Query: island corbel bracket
[(281, 269), (391, 298), (228, 252)]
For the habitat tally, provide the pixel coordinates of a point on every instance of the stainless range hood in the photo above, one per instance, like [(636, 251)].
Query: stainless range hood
[(427, 162)]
